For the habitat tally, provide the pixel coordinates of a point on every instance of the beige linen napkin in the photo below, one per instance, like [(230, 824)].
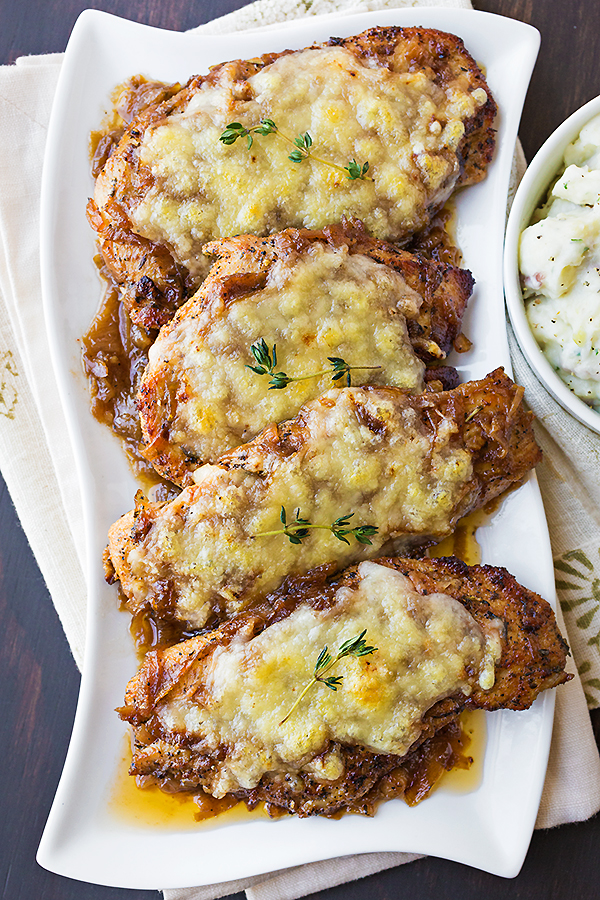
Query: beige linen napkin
[(38, 466)]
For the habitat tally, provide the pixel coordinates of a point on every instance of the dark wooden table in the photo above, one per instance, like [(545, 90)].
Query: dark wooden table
[(39, 681)]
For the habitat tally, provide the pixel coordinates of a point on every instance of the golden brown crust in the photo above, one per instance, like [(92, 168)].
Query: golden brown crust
[(444, 57), (486, 418), (491, 423), (495, 428), (533, 657), (241, 266), (123, 180), (533, 652), (154, 285)]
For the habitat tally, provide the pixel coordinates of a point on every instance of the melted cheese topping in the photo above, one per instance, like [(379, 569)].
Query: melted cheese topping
[(404, 125), (324, 303), (428, 648), (208, 544)]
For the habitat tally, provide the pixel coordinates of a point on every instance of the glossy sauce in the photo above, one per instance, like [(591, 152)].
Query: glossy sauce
[(115, 352), (463, 542), (464, 780), (153, 807), (114, 355), (113, 362), (438, 240), (150, 807)]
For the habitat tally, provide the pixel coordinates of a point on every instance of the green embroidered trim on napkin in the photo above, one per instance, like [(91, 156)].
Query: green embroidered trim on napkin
[(578, 587)]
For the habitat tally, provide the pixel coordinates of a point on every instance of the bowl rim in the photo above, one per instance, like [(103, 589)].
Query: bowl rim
[(534, 184)]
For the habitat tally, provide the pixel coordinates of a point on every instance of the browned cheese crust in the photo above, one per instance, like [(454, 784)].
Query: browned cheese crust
[(150, 272), (373, 451), (532, 659), (195, 407)]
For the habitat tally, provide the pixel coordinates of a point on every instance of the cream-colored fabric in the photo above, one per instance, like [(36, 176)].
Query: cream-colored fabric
[(569, 479), (267, 13), (38, 465), (36, 458)]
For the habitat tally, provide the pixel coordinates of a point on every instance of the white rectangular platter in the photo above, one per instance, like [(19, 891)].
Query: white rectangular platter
[(489, 826)]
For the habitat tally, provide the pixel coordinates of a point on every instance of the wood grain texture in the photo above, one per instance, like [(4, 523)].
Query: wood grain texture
[(38, 688), (44, 26), (566, 74), (38, 693)]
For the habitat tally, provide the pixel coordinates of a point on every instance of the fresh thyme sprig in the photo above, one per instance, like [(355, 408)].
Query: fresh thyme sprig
[(236, 130), (297, 530), (355, 170), (267, 361), (302, 145), (355, 646)]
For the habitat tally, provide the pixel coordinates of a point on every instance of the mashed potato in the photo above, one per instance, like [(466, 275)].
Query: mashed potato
[(560, 268)]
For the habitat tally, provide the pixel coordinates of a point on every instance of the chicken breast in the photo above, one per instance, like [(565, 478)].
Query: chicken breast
[(311, 296), (409, 102), (405, 467), (238, 711)]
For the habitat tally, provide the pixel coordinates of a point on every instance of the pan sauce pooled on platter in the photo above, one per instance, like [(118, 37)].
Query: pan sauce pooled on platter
[(444, 637), (381, 127), (425, 285)]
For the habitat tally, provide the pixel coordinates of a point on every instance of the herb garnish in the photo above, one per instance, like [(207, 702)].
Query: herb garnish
[(355, 170), (297, 530), (353, 647), (236, 130), (302, 145), (580, 241), (263, 356), (267, 361)]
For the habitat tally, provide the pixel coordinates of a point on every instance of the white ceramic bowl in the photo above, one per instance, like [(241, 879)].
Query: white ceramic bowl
[(531, 192)]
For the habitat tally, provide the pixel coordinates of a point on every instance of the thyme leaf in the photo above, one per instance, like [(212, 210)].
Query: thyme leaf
[(297, 530), (236, 130), (267, 361), (355, 646), (301, 144), (355, 170), (361, 533)]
